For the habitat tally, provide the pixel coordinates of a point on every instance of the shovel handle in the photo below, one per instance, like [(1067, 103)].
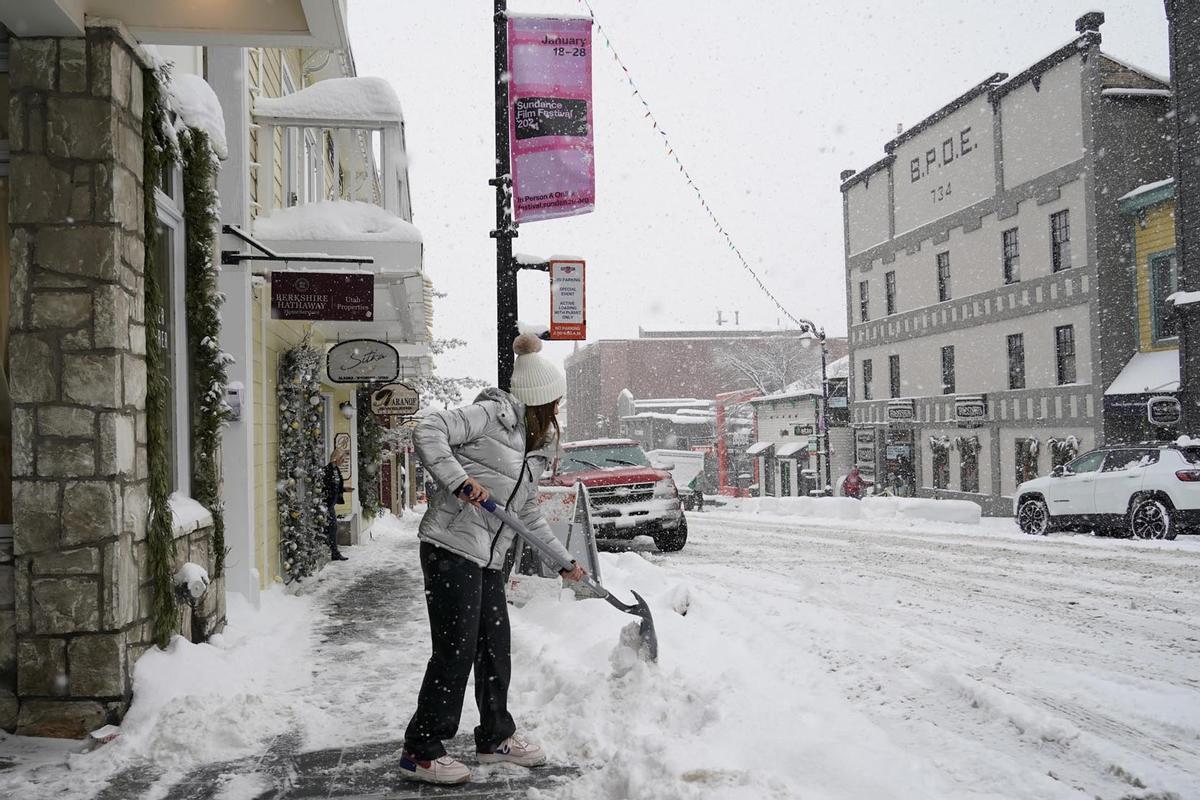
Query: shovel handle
[(548, 555)]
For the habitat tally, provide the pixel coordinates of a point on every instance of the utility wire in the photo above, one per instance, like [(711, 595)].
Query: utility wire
[(666, 140)]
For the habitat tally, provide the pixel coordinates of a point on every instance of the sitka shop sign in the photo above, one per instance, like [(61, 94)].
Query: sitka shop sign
[(550, 117), (395, 400), (344, 296), (362, 361), (567, 307)]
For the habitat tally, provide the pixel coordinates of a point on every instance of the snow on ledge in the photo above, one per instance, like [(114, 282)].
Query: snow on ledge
[(1183, 298), (336, 220), (187, 515), (197, 105), (1146, 187), (349, 99)]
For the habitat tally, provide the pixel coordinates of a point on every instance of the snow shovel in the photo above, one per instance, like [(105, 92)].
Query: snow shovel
[(638, 609)]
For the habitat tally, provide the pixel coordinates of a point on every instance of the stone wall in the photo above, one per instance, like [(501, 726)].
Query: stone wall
[(78, 377)]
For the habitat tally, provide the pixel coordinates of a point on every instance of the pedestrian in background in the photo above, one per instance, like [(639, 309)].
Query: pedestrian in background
[(333, 489)]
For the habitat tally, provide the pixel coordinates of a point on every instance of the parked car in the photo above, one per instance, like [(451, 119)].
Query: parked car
[(687, 470), (1147, 491), (630, 496)]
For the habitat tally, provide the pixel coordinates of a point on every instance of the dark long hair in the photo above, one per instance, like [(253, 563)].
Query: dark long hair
[(538, 422)]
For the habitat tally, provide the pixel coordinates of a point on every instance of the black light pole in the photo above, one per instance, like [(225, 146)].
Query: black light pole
[(825, 408), (506, 272)]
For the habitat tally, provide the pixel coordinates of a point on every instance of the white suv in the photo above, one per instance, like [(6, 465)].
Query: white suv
[(1148, 491)]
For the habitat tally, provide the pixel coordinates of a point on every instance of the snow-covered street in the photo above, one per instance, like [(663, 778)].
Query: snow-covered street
[(816, 659)]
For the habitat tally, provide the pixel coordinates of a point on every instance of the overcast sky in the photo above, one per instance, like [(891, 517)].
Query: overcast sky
[(766, 102)]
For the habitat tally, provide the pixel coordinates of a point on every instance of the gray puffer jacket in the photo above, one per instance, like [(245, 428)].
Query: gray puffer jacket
[(485, 441)]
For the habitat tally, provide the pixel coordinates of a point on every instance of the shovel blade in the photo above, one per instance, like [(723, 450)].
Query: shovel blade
[(649, 643)]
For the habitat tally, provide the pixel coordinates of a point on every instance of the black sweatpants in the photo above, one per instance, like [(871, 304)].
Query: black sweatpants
[(468, 621)]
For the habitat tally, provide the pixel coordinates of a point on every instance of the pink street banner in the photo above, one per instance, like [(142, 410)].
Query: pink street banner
[(550, 117)]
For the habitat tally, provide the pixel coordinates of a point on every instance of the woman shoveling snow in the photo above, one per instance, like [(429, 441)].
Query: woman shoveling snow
[(502, 441)]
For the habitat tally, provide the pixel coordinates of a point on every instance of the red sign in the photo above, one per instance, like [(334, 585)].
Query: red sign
[(550, 117), (323, 296), (568, 311)]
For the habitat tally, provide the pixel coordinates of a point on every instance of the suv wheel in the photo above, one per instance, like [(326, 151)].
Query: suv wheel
[(1151, 519), (1033, 517), (672, 541)]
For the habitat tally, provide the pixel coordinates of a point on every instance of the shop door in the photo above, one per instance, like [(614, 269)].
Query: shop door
[(899, 474), (785, 479)]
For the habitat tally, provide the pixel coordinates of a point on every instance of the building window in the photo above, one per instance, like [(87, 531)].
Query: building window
[(968, 466), (1064, 351), (943, 276), (1164, 281), (894, 374), (170, 326), (1016, 361), (1026, 459), (889, 283), (1012, 255), (1060, 241), (948, 369), (941, 467), (864, 301), (867, 375)]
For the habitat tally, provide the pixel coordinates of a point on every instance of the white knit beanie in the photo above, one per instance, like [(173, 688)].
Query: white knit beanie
[(535, 381)]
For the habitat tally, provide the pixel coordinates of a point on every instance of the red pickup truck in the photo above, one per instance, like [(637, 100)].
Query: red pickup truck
[(630, 496)]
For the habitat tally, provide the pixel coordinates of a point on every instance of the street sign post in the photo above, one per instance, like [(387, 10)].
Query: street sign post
[(568, 309)]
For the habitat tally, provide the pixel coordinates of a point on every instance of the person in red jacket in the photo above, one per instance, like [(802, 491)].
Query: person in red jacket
[(855, 484)]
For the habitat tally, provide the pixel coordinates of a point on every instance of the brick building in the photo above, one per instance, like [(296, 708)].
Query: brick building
[(663, 364), (1183, 17)]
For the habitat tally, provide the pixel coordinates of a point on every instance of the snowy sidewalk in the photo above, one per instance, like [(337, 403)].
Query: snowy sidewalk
[(323, 718)]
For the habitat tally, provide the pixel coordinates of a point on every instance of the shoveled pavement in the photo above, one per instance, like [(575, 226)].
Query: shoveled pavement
[(377, 609)]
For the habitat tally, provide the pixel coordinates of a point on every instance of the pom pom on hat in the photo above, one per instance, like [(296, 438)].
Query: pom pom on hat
[(535, 380), (526, 344)]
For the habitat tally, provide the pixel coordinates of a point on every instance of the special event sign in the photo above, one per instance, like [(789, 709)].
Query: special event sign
[(323, 295), (567, 306), (362, 361), (550, 117)]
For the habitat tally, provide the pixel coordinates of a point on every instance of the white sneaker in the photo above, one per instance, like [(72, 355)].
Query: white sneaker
[(515, 750), (441, 770)]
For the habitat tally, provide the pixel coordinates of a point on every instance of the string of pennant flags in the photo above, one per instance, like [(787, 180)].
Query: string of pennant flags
[(670, 149)]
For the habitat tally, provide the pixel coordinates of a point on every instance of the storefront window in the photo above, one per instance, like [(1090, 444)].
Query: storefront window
[(941, 468), (968, 466), (1026, 459), (169, 327)]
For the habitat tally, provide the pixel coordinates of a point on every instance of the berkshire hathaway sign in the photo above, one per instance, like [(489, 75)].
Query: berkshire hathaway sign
[(344, 296)]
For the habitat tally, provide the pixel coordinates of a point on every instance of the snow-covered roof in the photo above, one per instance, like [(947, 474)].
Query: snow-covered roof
[(1183, 298), (596, 443), (338, 220), (1146, 187), (351, 100), (197, 106), (1147, 373), (789, 449), (1133, 91), (757, 448), (677, 419)]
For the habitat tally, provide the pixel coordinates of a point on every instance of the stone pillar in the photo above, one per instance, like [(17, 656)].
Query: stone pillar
[(78, 376)]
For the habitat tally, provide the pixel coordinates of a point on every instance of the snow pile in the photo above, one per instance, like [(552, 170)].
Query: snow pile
[(360, 99), (1183, 298), (337, 220), (881, 508), (197, 106)]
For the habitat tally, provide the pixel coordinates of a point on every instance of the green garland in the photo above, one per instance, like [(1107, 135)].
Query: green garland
[(301, 460), (370, 451), (207, 373), (159, 150)]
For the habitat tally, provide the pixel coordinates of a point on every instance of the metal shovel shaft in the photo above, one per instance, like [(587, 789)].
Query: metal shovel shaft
[(551, 557)]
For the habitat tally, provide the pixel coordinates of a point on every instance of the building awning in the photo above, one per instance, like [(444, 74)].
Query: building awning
[(758, 447), (1147, 373), (279, 23), (790, 449)]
